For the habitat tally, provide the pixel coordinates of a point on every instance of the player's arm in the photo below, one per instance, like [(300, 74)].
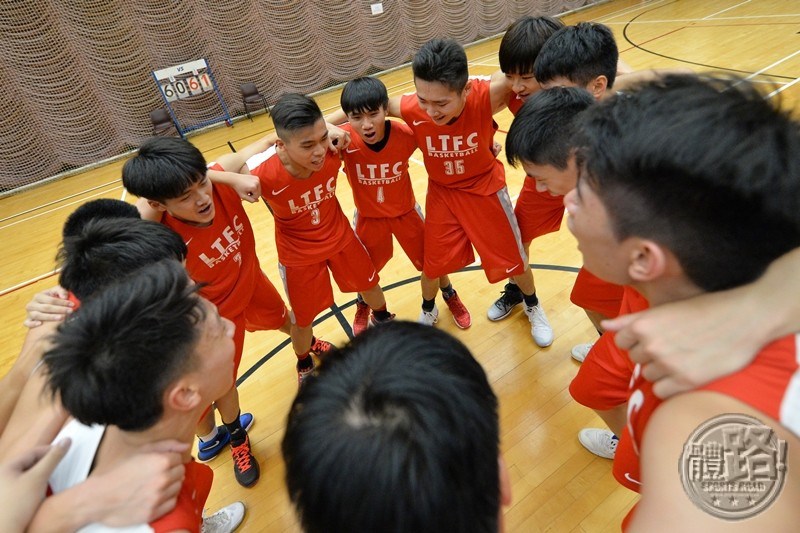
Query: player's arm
[(623, 67), (247, 186), (664, 504), (147, 211), (499, 91), (630, 79), (13, 384), (236, 162), (139, 490), (24, 474), (685, 344)]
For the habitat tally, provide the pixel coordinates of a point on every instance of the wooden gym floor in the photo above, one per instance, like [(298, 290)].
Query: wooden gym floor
[(557, 485)]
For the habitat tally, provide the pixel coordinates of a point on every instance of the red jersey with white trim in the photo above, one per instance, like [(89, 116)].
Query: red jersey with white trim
[(770, 384), (379, 179), (223, 254), (459, 155), (310, 226)]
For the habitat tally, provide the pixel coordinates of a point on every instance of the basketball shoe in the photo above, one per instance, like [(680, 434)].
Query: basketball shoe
[(429, 318), (208, 450), (460, 314), (510, 297), (541, 331), (361, 320)]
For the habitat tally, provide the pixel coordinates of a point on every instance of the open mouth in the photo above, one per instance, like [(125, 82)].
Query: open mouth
[(206, 210), (369, 135)]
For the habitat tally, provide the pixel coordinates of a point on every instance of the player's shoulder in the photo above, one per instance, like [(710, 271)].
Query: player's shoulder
[(399, 127), (262, 159)]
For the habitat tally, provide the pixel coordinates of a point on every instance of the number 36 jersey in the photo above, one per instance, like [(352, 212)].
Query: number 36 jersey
[(459, 155), (310, 226)]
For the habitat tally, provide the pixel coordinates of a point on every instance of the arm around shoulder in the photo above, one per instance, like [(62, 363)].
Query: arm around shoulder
[(664, 504)]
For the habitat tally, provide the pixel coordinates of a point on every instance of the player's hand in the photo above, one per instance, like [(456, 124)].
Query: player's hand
[(23, 482), (24, 474), (144, 487), (686, 344), (50, 305), (338, 139), (248, 187), (497, 148)]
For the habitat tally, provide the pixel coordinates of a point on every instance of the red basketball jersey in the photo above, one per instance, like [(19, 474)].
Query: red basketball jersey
[(379, 179), (770, 384), (222, 255), (310, 226), (459, 155)]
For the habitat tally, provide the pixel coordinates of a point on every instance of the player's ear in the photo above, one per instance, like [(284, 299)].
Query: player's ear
[(183, 395), (648, 260), (467, 88), (598, 86), (158, 206)]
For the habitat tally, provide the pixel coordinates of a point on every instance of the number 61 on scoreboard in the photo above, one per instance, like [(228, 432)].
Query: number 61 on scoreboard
[(184, 81)]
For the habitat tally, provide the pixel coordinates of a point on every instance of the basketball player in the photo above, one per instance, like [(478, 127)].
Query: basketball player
[(169, 176), (298, 182), (637, 226), (402, 421), (467, 202), (376, 165), (139, 363)]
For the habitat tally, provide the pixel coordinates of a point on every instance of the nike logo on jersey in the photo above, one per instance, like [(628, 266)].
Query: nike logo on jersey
[(629, 478), (418, 122), (190, 240), (508, 270), (276, 193), (372, 276), (349, 151)]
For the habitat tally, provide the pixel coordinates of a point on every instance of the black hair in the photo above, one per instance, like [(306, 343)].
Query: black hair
[(362, 95), (580, 54), (522, 42), (112, 362), (706, 167), (443, 61), (292, 112), (163, 169), (397, 433), (543, 131), (105, 250), (99, 208)]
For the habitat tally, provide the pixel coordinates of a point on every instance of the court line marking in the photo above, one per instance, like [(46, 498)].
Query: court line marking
[(57, 208), (53, 202), (781, 89), (626, 10), (778, 62), (727, 9), (336, 312), (31, 281), (659, 21)]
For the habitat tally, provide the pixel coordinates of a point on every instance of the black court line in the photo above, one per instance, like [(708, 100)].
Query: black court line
[(336, 312), (686, 61)]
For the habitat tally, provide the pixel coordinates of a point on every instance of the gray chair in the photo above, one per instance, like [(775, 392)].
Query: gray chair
[(162, 122), (251, 97)]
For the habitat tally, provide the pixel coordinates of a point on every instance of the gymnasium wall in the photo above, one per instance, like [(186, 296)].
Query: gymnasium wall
[(75, 75)]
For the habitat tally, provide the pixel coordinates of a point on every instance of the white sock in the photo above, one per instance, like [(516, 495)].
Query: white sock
[(210, 436)]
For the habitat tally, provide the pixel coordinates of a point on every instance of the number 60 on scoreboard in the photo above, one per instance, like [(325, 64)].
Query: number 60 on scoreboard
[(184, 81)]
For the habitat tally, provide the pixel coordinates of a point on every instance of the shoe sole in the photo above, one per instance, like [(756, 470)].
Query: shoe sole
[(505, 315), (460, 326)]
